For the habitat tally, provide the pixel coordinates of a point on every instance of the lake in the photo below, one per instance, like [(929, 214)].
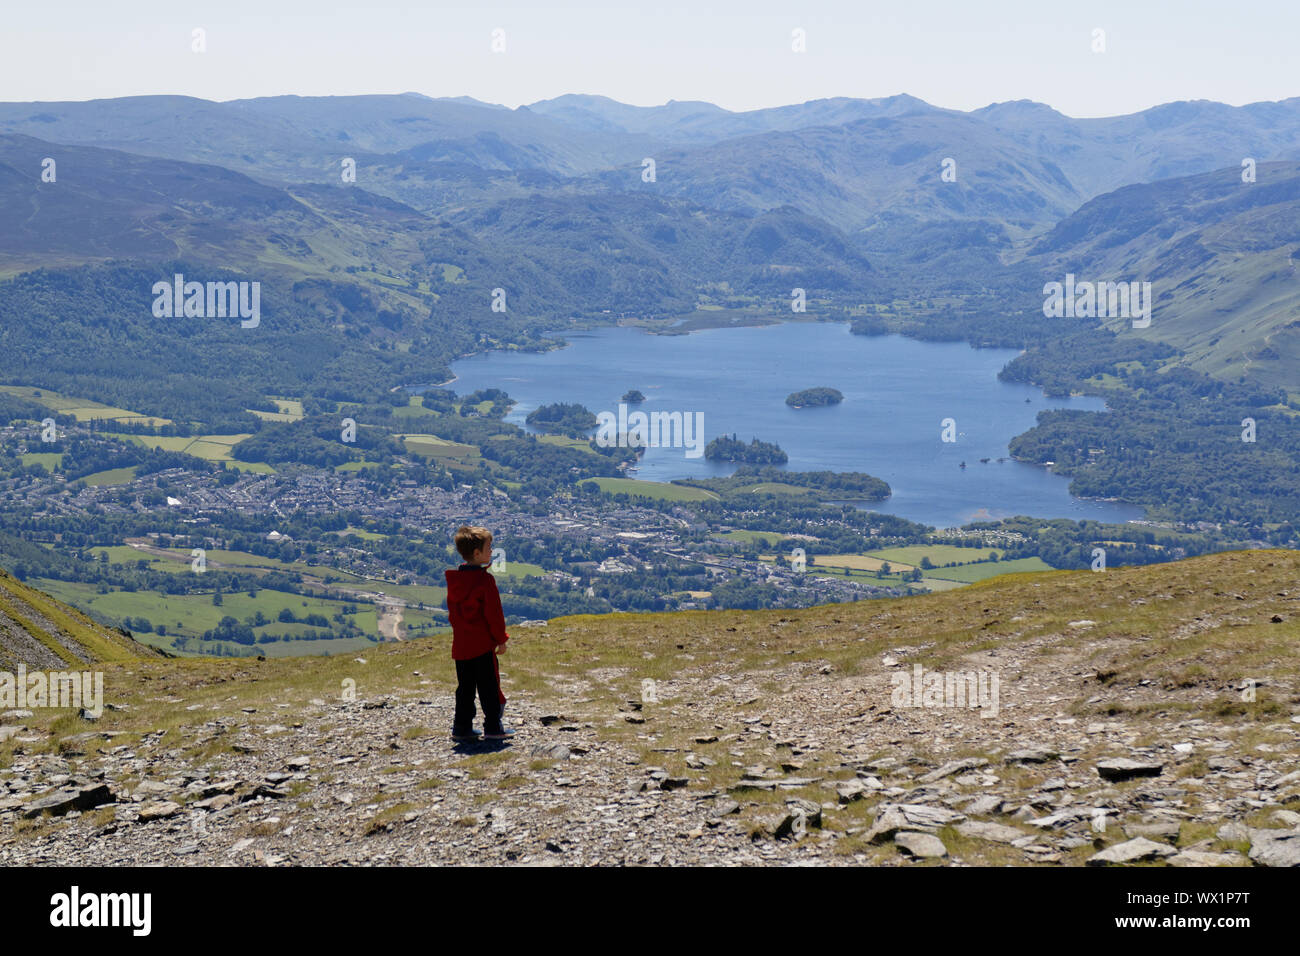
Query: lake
[(897, 392)]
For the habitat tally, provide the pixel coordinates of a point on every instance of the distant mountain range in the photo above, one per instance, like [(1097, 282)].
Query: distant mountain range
[(846, 197)]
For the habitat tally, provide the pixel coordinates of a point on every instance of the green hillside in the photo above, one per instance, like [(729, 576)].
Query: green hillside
[(41, 632), (1221, 255)]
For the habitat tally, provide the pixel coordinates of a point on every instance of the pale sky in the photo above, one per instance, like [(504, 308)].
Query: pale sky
[(962, 54)]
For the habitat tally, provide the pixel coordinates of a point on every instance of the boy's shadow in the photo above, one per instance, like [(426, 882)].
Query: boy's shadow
[(479, 746)]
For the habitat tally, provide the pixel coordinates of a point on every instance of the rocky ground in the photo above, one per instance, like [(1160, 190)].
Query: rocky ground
[(827, 774), (1163, 728)]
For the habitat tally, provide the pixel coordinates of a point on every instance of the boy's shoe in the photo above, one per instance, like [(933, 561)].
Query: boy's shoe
[(501, 734), (458, 736)]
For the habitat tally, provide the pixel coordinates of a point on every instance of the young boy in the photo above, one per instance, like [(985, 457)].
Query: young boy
[(478, 627)]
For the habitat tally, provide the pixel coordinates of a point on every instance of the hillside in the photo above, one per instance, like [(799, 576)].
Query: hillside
[(40, 632), (1221, 256), (1143, 714)]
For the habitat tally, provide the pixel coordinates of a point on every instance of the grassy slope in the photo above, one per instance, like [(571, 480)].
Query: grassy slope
[(36, 629), (1184, 626)]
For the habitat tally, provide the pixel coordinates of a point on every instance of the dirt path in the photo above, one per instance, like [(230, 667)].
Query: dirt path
[(390, 620)]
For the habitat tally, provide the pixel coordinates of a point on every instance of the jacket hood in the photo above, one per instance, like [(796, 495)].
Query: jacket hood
[(462, 584)]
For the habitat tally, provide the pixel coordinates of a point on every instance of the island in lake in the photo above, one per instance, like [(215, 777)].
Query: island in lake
[(562, 418), (814, 397), (632, 396), (757, 452)]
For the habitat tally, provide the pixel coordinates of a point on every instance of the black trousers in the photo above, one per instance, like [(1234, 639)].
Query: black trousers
[(478, 675)]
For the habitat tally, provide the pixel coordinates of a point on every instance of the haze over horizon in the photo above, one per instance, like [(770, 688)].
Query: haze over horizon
[(739, 58)]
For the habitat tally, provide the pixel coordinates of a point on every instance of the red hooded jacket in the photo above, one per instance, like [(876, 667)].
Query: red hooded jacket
[(478, 624)]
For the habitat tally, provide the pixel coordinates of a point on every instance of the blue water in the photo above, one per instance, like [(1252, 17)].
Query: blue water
[(896, 391)]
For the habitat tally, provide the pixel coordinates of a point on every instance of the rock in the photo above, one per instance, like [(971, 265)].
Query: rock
[(1233, 832), (1275, 847), (809, 808), (892, 817), (1288, 818), (794, 783), (1063, 818), (264, 790), (1285, 781), (219, 802), (983, 806), (551, 752), (923, 846), (887, 823), (1122, 768), (65, 801), (159, 810), (1202, 858), (1031, 755), (147, 788), (800, 815), (955, 766), (1166, 832), (851, 790), (298, 763), (674, 783), (722, 807), (1132, 851), (994, 832), (707, 739), (206, 791)]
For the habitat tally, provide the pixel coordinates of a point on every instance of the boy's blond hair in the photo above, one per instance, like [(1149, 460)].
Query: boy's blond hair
[(470, 538)]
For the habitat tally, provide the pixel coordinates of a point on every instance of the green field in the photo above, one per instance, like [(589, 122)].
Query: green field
[(410, 593), (414, 410), (937, 584), (449, 453), (189, 615), (937, 553), (83, 409), (290, 410), (114, 476), (361, 533), (968, 573), (125, 554), (651, 489), (49, 460), (207, 447), (520, 569), (564, 441), (767, 538)]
